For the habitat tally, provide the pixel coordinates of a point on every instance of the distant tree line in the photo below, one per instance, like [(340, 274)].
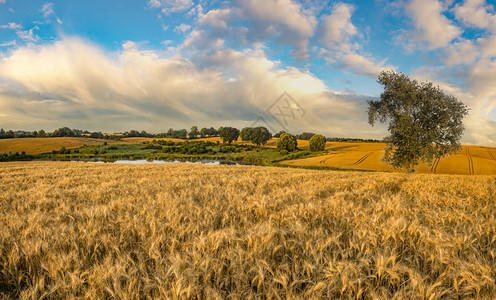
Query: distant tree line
[(256, 135), (61, 132), (353, 140)]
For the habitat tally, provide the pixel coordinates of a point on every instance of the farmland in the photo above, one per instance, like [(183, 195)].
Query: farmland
[(191, 231), (44, 145), (471, 160)]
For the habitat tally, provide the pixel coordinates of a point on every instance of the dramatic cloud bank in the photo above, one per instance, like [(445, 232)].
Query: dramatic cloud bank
[(74, 82), (226, 63)]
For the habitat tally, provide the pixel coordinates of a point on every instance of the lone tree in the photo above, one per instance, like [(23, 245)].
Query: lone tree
[(229, 134), (287, 142), (424, 122), (317, 143)]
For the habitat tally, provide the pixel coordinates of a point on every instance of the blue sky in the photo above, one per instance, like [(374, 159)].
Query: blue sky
[(154, 64)]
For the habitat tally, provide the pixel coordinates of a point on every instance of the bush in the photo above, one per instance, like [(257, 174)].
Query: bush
[(152, 146), (287, 142), (15, 156), (297, 155), (62, 150), (227, 149), (283, 152), (317, 143)]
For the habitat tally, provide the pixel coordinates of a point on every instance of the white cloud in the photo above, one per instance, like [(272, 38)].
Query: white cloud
[(75, 83), (25, 35), (363, 64), (476, 13), (338, 28), (171, 6), (7, 44), (217, 18), (252, 22), (154, 3), (282, 18), (182, 28), (196, 11), (462, 52), (28, 35), (3, 1), (480, 78), (13, 26), (431, 25), (487, 46), (283, 12), (47, 10), (289, 24), (342, 40)]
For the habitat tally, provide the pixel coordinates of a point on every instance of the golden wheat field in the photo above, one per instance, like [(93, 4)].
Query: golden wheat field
[(79, 230), (471, 160), (44, 145)]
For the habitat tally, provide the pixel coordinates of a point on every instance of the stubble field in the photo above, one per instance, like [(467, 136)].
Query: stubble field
[(74, 230)]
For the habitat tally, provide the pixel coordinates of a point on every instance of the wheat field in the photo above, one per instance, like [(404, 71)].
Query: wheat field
[(78, 230), (471, 160), (44, 145)]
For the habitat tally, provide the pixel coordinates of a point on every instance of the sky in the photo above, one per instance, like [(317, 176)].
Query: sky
[(294, 65)]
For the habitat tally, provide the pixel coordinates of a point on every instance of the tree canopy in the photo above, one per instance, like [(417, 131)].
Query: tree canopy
[(287, 142), (257, 135), (228, 134), (305, 136), (424, 122), (194, 132), (317, 143)]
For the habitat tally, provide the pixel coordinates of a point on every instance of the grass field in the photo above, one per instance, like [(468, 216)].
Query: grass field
[(44, 145), (75, 230)]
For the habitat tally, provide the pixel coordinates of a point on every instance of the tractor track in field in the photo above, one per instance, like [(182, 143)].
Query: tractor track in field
[(323, 161), (434, 165), (470, 162), (491, 154), (362, 159)]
